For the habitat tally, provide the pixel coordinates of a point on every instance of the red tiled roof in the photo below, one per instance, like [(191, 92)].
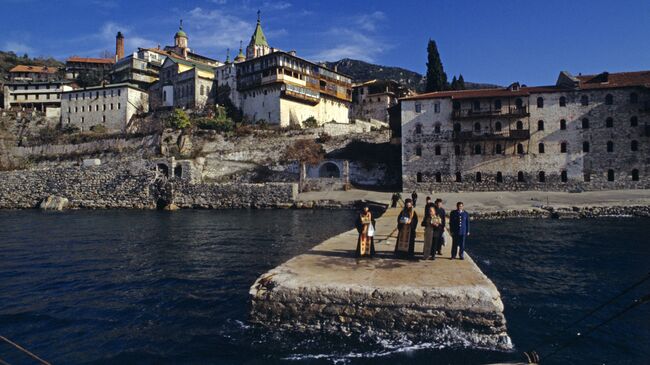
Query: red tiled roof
[(90, 60), (586, 82), (36, 69)]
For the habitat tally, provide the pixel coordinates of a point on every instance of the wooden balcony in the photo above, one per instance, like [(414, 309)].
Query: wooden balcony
[(504, 112), (512, 135), (288, 94)]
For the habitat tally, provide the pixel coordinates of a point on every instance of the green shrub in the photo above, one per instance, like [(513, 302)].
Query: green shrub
[(99, 128), (310, 122), (220, 125), (178, 119)]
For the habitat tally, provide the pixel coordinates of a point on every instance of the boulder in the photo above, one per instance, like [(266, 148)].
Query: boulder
[(54, 202)]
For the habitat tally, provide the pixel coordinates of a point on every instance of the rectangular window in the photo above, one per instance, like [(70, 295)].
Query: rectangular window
[(36, 96), (104, 107), (418, 108), (119, 92), (111, 106), (119, 105), (436, 108)]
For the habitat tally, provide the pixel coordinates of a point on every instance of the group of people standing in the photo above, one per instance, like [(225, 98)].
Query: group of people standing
[(434, 223)]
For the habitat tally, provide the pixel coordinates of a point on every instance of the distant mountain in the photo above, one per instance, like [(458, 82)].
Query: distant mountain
[(361, 71), (9, 59)]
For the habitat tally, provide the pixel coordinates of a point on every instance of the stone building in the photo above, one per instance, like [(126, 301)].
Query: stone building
[(110, 106), (584, 132), (75, 66), (43, 96), (140, 68), (372, 99), (27, 73), (185, 79), (283, 89)]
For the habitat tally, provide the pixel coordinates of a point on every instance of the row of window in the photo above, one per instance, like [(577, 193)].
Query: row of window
[(521, 177), (90, 108), (37, 87), (82, 120), (90, 94), (541, 148), (36, 96)]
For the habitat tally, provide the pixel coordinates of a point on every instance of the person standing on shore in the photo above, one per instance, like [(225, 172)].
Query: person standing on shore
[(440, 232), (366, 227), (459, 226), (431, 224), (394, 199), (427, 204), (414, 197), (407, 222)]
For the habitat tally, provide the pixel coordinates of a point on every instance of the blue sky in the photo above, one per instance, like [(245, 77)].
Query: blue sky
[(487, 41)]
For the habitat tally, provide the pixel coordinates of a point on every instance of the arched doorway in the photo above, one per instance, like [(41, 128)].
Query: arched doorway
[(163, 169), (329, 169)]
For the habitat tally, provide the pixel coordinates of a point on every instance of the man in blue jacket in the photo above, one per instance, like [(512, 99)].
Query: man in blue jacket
[(459, 225)]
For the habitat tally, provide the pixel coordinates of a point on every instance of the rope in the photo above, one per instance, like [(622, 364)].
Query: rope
[(635, 303), (25, 351)]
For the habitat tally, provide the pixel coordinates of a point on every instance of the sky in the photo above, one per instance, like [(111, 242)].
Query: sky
[(486, 41)]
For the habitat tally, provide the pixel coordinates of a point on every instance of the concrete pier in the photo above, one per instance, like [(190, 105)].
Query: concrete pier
[(328, 289)]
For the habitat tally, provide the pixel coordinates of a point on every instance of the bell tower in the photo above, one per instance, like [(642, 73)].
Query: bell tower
[(180, 39), (258, 46)]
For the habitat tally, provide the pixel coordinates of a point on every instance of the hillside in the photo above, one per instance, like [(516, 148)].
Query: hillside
[(363, 71), (9, 59)]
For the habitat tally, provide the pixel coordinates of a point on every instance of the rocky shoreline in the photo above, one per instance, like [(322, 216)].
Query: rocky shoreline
[(575, 212)]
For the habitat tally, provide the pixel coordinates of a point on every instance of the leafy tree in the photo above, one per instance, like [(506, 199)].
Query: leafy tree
[(436, 76), (310, 122), (89, 78), (178, 119)]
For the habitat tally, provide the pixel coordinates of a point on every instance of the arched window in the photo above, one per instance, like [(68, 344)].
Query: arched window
[(563, 147), (479, 177), (563, 124), (585, 146), (499, 177), (540, 102), (477, 127), (497, 149), (610, 175), (563, 176), (635, 175), (438, 177), (477, 149), (634, 121), (541, 147), (418, 177), (457, 150), (584, 100), (562, 101), (541, 176), (437, 150), (519, 103), (540, 125), (477, 105), (634, 145), (418, 128), (520, 176), (436, 129), (610, 146), (456, 127), (585, 123), (520, 148), (609, 99), (497, 104), (418, 151), (459, 177), (520, 125), (497, 126), (609, 122), (634, 98)]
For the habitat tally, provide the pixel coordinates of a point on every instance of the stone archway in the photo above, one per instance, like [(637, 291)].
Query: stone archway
[(163, 169), (329, 170)]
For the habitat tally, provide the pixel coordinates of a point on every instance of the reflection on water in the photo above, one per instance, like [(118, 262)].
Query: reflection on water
[(98, 287)]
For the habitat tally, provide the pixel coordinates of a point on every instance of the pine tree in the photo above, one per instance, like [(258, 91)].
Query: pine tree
[(461, 82), (436, 76), (454, 83)]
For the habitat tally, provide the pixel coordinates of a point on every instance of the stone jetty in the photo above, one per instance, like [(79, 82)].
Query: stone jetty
[(328, 290)]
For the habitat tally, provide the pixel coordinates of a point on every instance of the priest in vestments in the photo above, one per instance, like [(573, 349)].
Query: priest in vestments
[(407, 222), (365, 226)]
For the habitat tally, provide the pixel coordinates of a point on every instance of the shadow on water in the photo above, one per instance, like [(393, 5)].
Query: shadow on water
[(105, 287)]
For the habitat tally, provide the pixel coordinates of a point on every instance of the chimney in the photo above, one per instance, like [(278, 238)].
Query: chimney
[(119, 46)]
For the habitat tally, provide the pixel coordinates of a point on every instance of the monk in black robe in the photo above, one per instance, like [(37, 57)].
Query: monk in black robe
[(365, 226), (407, 223)]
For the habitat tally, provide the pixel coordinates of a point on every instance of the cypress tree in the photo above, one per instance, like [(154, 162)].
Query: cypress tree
[(436, 76), (454, 83), (461, 82)]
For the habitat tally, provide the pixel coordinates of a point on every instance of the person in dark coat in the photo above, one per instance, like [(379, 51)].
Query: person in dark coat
[(407, 223), (414, 197), (427, 204), (439, 239), (365, 224), (394, 199), (459, 226)]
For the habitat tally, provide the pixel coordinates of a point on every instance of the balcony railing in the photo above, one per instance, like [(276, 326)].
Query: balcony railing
[(514, 134), (511, 111)]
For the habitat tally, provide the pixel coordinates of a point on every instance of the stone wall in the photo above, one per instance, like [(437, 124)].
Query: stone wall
[(220, 196)]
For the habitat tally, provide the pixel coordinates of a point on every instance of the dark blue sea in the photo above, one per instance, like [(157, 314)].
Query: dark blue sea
[(149, 287)]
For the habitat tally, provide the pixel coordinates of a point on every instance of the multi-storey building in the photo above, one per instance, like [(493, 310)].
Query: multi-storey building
[(110, 106), (282, 89), (371, 99), (43, 96), (76, 66), (584, 132), (26, 73)]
